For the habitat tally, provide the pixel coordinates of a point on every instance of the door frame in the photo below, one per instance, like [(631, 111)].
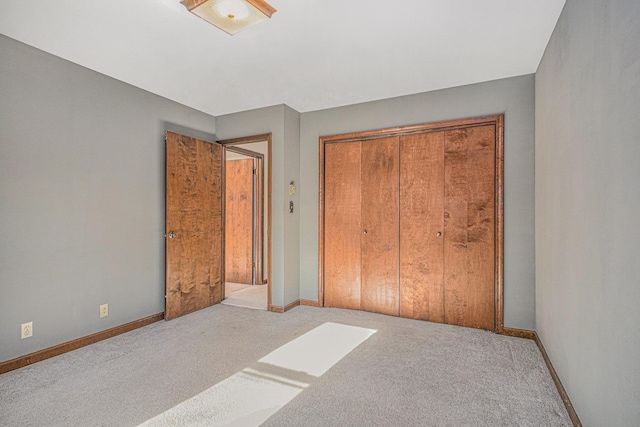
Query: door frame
[(227, 143), (498, 121), (257, 214)]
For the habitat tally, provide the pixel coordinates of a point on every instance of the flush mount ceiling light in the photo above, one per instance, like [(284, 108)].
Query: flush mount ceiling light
[(230, 16)]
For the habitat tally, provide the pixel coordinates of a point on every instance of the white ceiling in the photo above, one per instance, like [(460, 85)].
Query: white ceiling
[(312, 54)]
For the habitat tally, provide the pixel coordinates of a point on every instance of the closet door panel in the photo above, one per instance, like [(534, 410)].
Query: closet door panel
[(481, 225), (380, 226), (469, 246), (422, 226), (342, 225)]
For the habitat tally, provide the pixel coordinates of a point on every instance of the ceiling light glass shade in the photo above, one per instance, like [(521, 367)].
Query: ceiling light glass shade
[(230, 16)]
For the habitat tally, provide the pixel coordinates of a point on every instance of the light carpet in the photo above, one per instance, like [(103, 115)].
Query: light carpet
[(231, 287), (254, 297), (408, 373)]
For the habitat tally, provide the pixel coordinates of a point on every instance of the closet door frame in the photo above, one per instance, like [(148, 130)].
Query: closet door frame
[(498, 121)]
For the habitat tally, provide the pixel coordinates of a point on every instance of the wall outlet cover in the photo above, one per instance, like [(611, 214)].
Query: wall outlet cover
[(26, 330), (104, 310)]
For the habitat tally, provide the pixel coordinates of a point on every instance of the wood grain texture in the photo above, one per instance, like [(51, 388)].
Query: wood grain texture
[(194, 212), (469, 248), (239, 221), (411, 129), (422, 226), (380, 222), (342, 225), (497, 178)]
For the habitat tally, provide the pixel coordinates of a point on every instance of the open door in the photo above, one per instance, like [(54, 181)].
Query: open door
[(194, 221)]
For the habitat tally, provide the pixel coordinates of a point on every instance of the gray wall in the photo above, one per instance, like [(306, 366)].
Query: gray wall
[(292, 220), (514, 97), (588, 207), (282, 122), (82, 190)]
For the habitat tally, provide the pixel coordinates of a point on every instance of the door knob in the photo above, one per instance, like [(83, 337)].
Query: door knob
[(364, 232), (438, 234), (173, 234)]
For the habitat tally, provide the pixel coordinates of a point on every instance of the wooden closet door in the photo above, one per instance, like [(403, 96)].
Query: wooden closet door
[(342, 225), (422, 226), (380, 225), (469, 226), (412, 223)]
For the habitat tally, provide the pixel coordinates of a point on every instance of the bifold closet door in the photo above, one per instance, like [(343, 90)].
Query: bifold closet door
[(342, 225), (380, 225), (469, 226), (361, 225), (410, 223), (422, 226)]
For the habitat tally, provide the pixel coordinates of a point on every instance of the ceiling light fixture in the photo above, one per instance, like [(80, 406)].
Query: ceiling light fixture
[(230, 16)]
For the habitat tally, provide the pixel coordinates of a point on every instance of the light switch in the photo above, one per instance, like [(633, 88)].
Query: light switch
[(292, 189)]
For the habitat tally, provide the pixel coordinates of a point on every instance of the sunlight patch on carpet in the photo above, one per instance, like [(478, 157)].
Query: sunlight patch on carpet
[(252, 395), (319, 349)]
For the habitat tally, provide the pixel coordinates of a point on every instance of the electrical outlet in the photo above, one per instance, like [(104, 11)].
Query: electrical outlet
[(104, 310), (26, 330)]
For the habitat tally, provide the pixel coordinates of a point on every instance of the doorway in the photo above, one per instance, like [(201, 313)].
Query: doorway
[(246, 204), (243, 216), (195, 222)]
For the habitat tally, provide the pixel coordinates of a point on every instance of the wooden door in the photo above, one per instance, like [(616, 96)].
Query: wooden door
[(343, 227), (469, 226), (379, 207), (422, 226), (194, 256), (239, 219), (447, 226), (412, 222), (361, 225)]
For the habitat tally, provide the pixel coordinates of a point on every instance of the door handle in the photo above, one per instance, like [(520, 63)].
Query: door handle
[(439, 234), (173, 234), (364, 232)]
